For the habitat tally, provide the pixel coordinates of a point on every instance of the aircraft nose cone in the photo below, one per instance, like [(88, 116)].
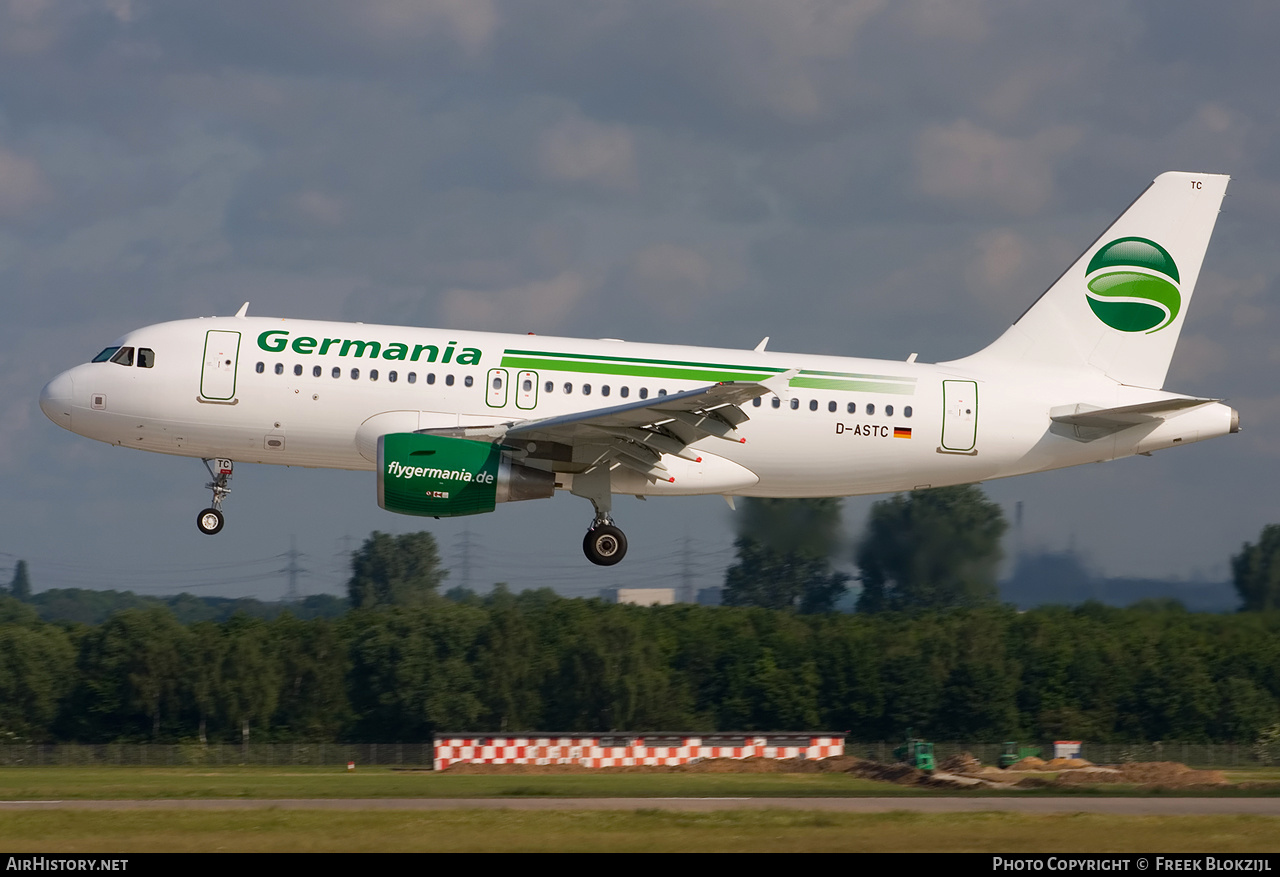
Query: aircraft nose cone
[(55, 400)]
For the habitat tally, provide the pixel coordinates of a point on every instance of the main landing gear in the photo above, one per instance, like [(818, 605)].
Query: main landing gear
[(210, 520), (604, 543)]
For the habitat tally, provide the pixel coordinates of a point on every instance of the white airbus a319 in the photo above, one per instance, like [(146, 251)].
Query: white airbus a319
[(455, 422)]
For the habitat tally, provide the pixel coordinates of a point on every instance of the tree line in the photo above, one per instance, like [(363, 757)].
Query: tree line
[(927, 649), (537, 661)]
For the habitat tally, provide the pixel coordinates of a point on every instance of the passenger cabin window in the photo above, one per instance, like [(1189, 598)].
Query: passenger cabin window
[(871, 409), (146, 357), (316, 371), (777, 403), (888, 410), (124, 356), (468, 380), (260, 367), (831, 406), (431, 377), (391, 376), (906, 412), (106, 354), (279, 368), (448, 380), (413, 378), (644, 392), (813, 404), (297, 369)]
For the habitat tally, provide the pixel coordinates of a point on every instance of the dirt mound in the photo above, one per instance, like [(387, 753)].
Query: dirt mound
[(964, 763), (1029, 763), (902, 774), (1088, 776), (1067, 764), (1168, 774), (942, 780)]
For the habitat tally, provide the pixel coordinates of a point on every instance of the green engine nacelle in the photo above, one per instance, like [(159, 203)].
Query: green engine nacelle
[(442, 477)]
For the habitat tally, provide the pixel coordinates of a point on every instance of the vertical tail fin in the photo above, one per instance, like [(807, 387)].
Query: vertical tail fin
[(1119, 309)]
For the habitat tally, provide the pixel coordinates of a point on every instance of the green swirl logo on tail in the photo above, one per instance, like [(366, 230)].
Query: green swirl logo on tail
[(1133, 285)]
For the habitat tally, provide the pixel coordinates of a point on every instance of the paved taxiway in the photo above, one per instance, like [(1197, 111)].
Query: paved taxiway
[(1125, 806)]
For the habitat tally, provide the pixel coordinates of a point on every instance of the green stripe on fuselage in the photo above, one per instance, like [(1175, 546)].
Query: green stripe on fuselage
[(626, 366), (595, 358), (804, 383), (630, 370)]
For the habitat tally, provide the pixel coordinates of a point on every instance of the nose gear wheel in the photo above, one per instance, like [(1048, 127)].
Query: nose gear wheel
[(210, 520)]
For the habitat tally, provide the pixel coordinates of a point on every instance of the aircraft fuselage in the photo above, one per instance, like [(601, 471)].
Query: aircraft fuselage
[(298, 392)]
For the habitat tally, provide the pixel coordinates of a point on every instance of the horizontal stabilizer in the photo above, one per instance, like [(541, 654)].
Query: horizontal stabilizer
[(1125, 416), (1085, 423)]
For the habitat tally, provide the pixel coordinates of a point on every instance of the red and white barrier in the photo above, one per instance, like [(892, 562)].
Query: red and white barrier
[(621, 750)]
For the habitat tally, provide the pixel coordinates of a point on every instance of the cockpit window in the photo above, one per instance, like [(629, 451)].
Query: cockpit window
[(106, 354), (124, 356), (146, 357)]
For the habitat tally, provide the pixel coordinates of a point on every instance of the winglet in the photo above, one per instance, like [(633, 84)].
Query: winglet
[(761, 345), (244, 310)]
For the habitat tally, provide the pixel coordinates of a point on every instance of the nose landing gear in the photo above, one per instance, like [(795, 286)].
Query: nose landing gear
[(210, 520)]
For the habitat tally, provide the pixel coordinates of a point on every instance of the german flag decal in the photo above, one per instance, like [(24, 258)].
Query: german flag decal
[(902, 432)]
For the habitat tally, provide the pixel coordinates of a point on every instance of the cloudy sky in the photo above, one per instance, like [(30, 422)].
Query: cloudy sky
[(865, 178)]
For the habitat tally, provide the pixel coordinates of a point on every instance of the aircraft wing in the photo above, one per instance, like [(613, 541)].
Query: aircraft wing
[(634, 434)]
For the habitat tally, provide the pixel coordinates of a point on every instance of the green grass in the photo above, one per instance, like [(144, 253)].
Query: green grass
[(56, 783), (1253, 775), (643, 830), (60, 783)]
